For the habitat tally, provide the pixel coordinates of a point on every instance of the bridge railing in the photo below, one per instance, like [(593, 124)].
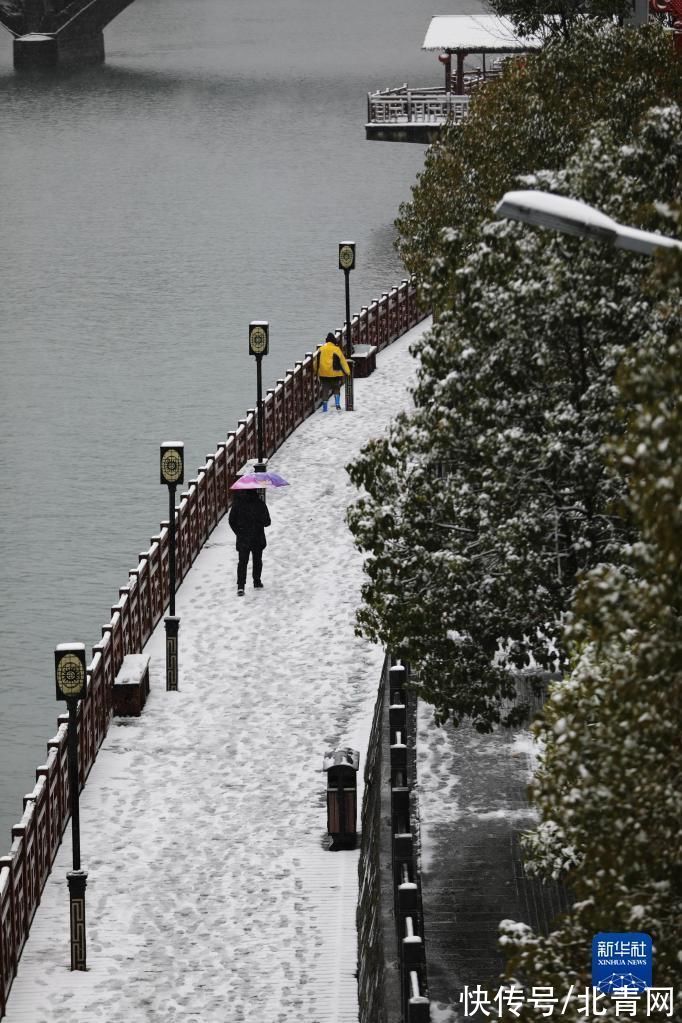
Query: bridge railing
[(140, 607)]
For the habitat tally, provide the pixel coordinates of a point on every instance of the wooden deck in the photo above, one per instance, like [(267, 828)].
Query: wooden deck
[(417, 115), (412, 115)]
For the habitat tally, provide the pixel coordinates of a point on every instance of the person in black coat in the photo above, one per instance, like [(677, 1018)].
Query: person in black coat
[(248, 519)]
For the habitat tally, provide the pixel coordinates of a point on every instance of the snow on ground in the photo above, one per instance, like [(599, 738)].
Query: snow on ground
[(212, 895)]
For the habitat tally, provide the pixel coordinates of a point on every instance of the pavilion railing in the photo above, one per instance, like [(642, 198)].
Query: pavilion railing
[(139, 609), (404, 105)]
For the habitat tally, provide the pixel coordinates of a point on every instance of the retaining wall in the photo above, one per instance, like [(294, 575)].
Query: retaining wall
[(140, 607)]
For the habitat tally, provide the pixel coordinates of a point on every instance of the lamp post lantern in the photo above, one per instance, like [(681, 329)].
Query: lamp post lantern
[(71, 685), (259, 343), (347, 263), (570, 216), (172, 467)]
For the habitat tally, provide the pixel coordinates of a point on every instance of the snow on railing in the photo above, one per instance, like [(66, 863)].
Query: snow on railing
[(408, 106), (417, 1004), (390, 916), (408, 911), (139, 609)]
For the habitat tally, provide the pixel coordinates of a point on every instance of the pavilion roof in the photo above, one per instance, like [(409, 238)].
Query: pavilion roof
[(476, 33)]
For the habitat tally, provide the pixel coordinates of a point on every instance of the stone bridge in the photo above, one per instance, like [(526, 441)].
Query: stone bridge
[(51, 32)]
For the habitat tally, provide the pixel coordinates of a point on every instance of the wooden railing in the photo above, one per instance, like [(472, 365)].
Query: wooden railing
[(428, 106), (141, 604)]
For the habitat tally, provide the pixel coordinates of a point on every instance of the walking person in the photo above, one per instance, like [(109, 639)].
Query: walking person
[(249, 517), (331, 369)]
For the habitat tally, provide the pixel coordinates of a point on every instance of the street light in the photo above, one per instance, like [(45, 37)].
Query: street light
[(570, 216), (71, 683), (259, 340), (172, 459), (347, 263)]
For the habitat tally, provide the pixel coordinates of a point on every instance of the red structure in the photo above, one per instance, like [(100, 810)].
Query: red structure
[(673, 10)]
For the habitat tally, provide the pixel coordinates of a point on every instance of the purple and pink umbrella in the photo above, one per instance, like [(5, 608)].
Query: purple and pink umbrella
[(259, 480)]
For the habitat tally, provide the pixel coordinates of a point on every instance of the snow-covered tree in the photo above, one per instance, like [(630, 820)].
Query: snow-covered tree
[(533, 117), (471, 568), (609, 785), (562, 16)]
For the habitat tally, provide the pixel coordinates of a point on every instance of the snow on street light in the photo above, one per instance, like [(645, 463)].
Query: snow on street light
[(570, 216)]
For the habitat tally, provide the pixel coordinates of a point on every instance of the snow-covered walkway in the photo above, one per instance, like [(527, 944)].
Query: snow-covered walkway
[(212, 896)]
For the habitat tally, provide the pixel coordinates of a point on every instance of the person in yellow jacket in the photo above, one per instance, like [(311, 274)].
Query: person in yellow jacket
[(331, 369)]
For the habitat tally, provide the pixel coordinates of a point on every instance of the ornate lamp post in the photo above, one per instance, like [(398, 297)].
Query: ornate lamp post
[(172, 472), (71, 684), (259, 341), (347, 263)]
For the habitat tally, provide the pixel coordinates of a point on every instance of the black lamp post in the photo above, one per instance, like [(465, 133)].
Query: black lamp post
[(347, 263), (71, 684), (259, 342), (172, 472)]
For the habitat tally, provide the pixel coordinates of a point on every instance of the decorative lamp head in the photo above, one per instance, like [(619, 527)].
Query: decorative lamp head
[(346, 255), (69, 669), (259, 337), (172, 457)]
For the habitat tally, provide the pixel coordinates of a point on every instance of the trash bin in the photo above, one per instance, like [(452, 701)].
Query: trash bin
[(342, 766)]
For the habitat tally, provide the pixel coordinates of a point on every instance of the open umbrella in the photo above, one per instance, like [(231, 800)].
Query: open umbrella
[(259, 480)]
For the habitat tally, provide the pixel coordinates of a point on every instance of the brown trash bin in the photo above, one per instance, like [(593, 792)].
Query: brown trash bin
[(342, 766)]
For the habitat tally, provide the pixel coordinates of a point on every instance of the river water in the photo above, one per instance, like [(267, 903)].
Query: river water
[(151, 208)]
